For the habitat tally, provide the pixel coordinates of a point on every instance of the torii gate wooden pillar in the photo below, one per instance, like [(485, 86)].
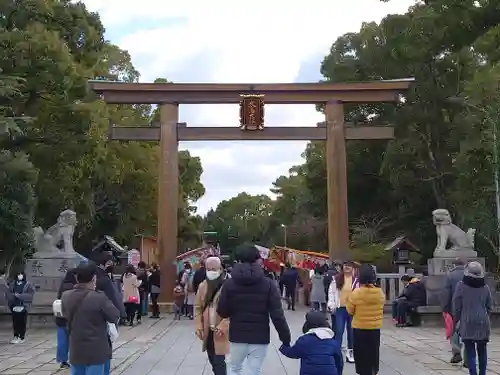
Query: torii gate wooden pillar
[(169, 95)]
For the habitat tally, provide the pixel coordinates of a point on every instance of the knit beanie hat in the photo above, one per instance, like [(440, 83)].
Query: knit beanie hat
[(474, 270), (315, 319)]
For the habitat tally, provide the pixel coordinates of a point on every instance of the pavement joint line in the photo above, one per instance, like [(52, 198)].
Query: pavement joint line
[(183, 359), (149, 344), (154, 340)]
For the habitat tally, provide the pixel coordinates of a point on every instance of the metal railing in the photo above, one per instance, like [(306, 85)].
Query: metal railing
[(391, 285)]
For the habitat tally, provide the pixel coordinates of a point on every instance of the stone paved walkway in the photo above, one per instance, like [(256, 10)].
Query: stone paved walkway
[(163, 347)]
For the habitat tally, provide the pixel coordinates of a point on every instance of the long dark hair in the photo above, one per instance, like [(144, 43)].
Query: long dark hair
[(340, 280), (340, 277)]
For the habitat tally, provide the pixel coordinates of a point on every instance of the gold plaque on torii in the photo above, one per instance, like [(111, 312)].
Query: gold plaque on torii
[(252, 112)]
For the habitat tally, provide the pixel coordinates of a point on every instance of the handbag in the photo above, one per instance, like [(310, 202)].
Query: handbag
[(19, 309), (155, 289), (57, 308), (133, 299), (112, 332)]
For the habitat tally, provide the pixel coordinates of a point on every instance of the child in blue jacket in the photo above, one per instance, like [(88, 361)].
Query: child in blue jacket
[(317, 349)]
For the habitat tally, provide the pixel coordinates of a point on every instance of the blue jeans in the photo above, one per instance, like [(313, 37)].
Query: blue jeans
[(253, 353), (62, 345), (87, 370), (107, 367), (470, 351), (343, 322)]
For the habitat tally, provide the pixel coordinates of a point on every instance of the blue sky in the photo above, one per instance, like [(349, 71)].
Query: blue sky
[(199, 41)]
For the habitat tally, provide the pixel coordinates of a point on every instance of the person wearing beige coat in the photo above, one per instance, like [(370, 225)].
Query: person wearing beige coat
[(210, 327), (131, 297)]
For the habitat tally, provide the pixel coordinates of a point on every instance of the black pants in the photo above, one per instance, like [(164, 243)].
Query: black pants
[(290, 296), (131, 309), (189, 310), (366, 350), (403, 308), (154, 301), (217, 361), (19, 321), (394, 309)]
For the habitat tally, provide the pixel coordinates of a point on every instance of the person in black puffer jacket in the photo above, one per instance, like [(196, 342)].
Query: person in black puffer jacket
[(68, 283), (249, 299), (413, 296)]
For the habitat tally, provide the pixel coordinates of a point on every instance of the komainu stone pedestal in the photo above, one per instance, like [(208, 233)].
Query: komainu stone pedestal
[(46, 274), (437, 268)]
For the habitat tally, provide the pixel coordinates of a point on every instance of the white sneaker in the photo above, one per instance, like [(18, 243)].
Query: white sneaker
[(15, 340), (350, 356), (21, 341)]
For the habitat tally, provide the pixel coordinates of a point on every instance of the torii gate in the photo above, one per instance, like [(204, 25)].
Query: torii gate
[(251, 98)]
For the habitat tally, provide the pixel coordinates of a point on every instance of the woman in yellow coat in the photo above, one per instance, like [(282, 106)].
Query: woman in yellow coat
[(366, 305)]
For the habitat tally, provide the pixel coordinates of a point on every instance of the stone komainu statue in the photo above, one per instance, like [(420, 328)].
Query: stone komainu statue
[(59, 237), (447, 231)]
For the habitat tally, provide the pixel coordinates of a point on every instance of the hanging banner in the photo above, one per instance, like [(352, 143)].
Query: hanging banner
[(196, 256), (264, 251), (307, 260)]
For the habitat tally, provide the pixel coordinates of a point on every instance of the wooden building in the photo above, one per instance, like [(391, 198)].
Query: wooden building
[(148, 247)]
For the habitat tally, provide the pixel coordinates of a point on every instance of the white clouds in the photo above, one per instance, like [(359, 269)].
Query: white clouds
[(237, 41)]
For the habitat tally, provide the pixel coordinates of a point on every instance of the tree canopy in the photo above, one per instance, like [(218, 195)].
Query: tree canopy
[(61, 158)]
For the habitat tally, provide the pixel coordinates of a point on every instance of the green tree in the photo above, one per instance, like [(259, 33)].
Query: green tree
[(55, 47), (17, 183), (244, 218), (481, 100)]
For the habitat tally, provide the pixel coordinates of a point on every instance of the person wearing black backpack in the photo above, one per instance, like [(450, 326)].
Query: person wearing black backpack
[(250, 300), (210, 327)]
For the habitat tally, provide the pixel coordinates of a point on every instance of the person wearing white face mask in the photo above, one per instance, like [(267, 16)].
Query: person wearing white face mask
[(210, 327), (21, 298)]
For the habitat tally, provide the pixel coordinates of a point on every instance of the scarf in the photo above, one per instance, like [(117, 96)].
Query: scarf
[(213, 286)]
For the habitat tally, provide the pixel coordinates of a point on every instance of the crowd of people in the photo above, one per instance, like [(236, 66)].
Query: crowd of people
[(233, 313), (92, 302), (232, 308)]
